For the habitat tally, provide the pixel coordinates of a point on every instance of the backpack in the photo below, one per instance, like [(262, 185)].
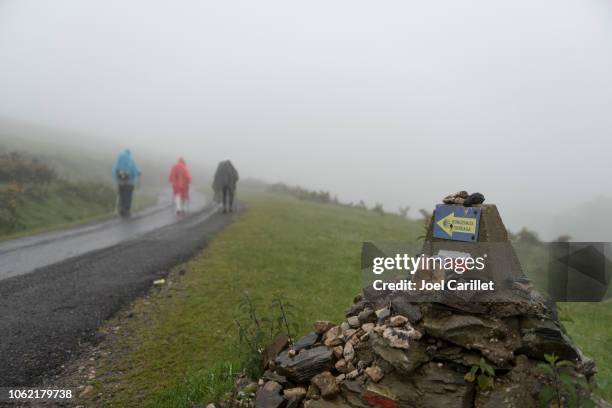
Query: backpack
[(123, 177)]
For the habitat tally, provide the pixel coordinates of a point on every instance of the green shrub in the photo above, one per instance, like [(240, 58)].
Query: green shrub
[(16, 167), (526, 236), (9, 202), (403, 211), (564, 389), (378, 209)]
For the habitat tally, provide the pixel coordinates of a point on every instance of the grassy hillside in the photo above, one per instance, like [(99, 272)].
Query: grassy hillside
[(61, 205), (33, 198), (78, 157), (163, 346), (69, 161)]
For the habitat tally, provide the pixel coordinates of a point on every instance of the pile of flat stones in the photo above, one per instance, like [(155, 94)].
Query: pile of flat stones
[(456, 198), (397, 353)]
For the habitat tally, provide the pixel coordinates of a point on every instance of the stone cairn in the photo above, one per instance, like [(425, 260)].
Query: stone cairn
[(391, 352)]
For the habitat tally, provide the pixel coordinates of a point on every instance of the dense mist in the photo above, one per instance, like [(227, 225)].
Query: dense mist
[(398, 102)]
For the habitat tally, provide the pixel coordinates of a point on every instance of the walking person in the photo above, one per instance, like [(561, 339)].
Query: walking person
[(224, 184), (125, 175), (180, 178)]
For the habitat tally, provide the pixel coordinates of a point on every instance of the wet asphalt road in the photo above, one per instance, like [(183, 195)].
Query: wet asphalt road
[(45, 314), (26, 254)]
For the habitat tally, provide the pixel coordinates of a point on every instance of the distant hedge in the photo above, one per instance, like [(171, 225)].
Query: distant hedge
[(304, 194)]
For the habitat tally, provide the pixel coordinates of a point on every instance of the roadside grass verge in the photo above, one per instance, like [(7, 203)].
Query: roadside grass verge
[(174, 347), (54, 212)]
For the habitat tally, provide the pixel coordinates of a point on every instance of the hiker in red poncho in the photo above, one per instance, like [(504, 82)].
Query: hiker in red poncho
[(180, 178)]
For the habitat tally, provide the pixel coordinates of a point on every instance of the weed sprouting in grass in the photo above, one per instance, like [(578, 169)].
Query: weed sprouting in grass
[(200, 386), (287, 316), (256, 331), (251, 336), (426, 221)]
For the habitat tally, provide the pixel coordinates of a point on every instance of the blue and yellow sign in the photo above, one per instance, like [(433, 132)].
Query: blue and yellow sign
[(456, 222)]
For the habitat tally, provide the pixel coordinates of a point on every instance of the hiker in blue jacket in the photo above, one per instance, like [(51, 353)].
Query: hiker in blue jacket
[(125, 175)]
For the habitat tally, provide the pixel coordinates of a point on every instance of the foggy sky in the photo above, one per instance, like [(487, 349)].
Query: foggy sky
[(400, 102)]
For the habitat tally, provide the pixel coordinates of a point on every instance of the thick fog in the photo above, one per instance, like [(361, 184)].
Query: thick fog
[(399, 102)]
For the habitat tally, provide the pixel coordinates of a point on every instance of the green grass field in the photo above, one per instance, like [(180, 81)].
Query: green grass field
[(589, 325), (308, 252)]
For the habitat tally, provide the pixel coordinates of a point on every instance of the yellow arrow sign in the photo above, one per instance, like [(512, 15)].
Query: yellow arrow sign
[(450, 224)]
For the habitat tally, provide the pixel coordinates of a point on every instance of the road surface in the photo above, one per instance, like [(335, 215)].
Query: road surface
[(58, 288), (26, 254)]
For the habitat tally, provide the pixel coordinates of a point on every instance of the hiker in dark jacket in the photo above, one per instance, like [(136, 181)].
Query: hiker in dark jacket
[(224, 184), (125, 175)]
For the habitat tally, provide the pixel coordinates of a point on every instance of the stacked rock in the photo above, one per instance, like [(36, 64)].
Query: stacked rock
[(403, 354), (464, 198), (456, 198)]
